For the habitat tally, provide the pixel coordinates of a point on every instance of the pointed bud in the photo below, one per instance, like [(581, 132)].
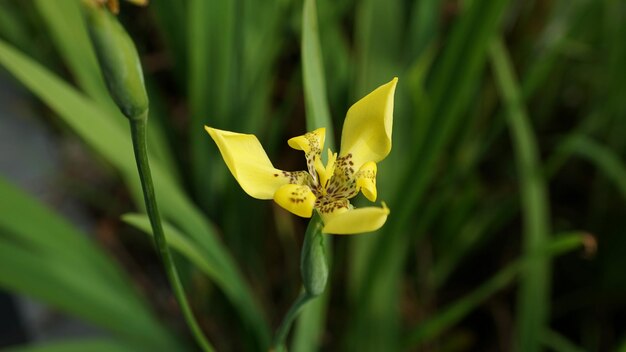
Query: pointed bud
[(313, 264), (118, 61)]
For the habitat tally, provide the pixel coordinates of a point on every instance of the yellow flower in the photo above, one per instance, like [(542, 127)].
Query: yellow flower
[(365, 140), (114, 5)]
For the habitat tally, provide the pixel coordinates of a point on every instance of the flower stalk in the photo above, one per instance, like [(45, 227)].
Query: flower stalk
[(314, 271), (138, 128), (121, 68)]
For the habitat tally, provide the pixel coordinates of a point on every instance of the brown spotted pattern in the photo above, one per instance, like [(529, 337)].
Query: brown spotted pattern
[(299, 194), (296, 177), (369, 174), (314, 152), (327, 206), (337, 191), (340, 188)]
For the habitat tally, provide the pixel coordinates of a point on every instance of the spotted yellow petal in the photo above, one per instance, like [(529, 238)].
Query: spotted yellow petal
[(249, 164), (356, 221), (325, 172), (310, 141), (297, 199), (366, 180), (366, 134), (328, 209)]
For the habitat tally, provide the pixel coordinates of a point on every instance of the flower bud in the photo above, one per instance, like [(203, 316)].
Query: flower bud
[(118, 61), (313, 264)]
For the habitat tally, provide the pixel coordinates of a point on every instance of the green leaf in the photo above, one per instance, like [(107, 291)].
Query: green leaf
[(605, 159), (45, 232), (82, 345), (317, 111), (66, 27), (96, 128), (534, 292), (211, 88), (452, 84), (43, 256), (558, 342), (238, 295), (179, 243), (168, 16), (456, 311)]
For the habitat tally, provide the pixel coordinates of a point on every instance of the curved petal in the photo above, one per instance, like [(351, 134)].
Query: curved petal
[(296, 198), (311, 143), (366, 180), (249, 164), (356, 221), (366, 134)]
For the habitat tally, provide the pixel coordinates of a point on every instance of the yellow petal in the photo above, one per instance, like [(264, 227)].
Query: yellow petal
[(309, 142), (296, 199), (325, 172), (366, 131), (366, 180), (249, 164), (356, 221), (328, 209)]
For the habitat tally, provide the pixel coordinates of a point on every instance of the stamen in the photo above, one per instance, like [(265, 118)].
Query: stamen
[(325, 173)]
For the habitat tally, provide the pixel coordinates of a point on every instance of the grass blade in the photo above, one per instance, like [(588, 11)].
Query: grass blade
[(44, 257), (96, 128), (534, 293), (317, 111), (169, 15), (453, 81), (211, 61), (91, 345), (456, 311), (24, 218), (558, 342), (65, 24), (605, 159), (238, 295)]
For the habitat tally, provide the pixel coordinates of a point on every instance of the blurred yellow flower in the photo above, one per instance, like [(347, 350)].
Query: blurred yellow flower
[(365, 140), (114, 5)]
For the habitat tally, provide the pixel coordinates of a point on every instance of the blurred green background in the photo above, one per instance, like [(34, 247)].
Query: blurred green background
[(506, 181)]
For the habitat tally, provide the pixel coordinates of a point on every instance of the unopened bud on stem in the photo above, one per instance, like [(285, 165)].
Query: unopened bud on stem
[(118, 61), (313, 264)]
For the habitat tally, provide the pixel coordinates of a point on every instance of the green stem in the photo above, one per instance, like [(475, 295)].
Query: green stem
[(281, 334), (314, 270), (138, 133)]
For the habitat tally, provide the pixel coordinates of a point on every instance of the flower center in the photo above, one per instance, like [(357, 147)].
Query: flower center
[(334, 182)]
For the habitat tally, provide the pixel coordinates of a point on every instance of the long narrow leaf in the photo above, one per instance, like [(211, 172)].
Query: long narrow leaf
[(44, 256), (108, 140), (454, 79), (605, 159), (196, 255), (66, 27), (534, 292), (91, 345), (456, 311), (318, 113)]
